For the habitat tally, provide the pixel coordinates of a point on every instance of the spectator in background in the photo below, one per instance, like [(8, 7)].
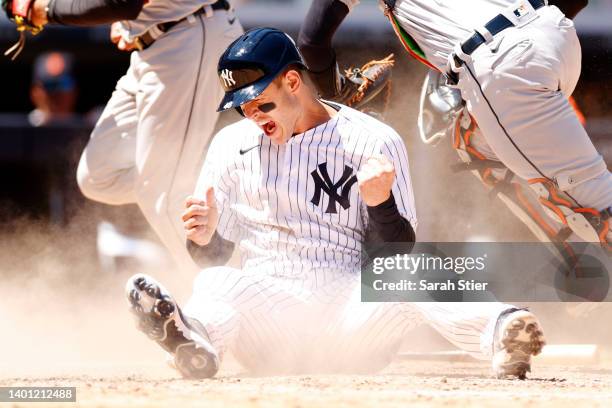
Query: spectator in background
[(53, 91)]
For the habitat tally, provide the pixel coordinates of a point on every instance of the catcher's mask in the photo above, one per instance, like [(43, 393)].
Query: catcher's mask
[(251, 63), (438, 108)]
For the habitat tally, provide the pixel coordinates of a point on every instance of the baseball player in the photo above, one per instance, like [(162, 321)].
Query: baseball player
[(148, 145), (301, 187), (443, 114), (358, 86), (515, 63)]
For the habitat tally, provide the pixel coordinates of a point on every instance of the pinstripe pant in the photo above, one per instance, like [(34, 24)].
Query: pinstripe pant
[(280, 325)]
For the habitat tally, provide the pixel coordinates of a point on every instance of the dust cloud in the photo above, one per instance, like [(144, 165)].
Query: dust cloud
[(61, 313)]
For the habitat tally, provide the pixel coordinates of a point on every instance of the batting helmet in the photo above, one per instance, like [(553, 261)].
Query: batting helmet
[(252, 62)]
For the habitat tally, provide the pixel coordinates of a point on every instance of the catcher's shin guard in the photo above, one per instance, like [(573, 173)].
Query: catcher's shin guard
[(504, 185), (588, 224), (490, 172), (441, 115)]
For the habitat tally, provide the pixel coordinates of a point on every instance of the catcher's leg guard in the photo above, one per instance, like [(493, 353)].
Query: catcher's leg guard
[(504, 185), (440, 101), (474, 160), (502, 182), (587, 223)]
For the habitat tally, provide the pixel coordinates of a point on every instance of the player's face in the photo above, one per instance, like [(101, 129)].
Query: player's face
[(275, 111)]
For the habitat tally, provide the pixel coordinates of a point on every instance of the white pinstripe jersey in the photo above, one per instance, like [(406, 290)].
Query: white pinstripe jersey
[(296, 207)]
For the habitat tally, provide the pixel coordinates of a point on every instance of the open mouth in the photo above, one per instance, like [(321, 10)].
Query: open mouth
[(269, 127)]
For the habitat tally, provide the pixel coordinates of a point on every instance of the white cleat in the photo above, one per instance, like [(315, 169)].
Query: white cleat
[(518, 336), (160, 318)]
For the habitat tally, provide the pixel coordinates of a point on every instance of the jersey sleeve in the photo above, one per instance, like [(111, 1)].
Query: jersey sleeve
[(92, 12), (392, 146), (350, 3), (215, 174)]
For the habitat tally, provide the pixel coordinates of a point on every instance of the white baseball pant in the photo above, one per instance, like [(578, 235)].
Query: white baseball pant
[(319, 324), (517, 87), (148, 146)]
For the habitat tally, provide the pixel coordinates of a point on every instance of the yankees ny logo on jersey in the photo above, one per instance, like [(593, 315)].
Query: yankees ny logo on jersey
[(324, 183), (228, 78)]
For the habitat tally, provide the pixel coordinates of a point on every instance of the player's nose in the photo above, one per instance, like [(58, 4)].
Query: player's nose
[(252, 114), (248, 110)]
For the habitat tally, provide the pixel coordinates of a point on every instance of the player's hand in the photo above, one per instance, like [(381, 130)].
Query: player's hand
[(200, 218), (116, 36), (38, 13), (375, 180)]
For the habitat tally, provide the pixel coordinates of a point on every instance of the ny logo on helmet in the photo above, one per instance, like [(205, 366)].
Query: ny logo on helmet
[(324, 183), (228, 78)]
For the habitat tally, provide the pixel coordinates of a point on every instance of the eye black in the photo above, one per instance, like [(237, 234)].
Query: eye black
[(267, 107)]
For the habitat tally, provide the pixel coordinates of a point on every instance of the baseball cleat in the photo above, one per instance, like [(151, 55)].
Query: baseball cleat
[(161, 319), (518, 336)]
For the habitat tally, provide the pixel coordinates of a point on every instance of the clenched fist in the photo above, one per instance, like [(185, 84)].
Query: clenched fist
[(375, 179), (116, 36), (201, 217)]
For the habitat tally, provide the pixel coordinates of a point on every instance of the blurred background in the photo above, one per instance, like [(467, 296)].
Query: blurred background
[(52, 94)]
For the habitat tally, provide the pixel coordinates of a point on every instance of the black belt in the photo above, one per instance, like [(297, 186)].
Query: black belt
[(494, 26), (145, 40)]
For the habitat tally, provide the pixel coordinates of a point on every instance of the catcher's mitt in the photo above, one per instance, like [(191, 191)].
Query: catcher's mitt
[(362, 85), (19, 12)]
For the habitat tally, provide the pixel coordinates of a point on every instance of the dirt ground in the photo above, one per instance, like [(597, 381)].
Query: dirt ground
[(405, 383), (67, 327)]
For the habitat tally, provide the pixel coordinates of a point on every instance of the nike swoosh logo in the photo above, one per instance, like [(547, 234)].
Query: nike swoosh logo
[(248, 149)]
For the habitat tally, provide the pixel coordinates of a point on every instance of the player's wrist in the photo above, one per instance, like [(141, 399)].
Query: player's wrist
[(384, 211), (201, 241), (374, 200), (40, 12)]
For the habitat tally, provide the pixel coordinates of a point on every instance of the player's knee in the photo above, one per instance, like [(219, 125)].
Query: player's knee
[(83, 179), (102, 189), (88, 187)]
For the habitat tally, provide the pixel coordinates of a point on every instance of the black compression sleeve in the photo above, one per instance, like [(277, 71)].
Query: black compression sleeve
[(315, 38), (386, 224), (569, 7), (217, 252), (92, 12)]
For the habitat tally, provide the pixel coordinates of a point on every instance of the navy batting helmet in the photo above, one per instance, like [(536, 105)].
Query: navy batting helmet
[(252, 62)]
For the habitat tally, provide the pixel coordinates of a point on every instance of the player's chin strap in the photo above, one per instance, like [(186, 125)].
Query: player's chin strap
[(587, 223)]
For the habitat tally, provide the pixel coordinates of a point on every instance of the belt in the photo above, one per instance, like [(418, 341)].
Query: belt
[(145, 40), (494, 27)]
